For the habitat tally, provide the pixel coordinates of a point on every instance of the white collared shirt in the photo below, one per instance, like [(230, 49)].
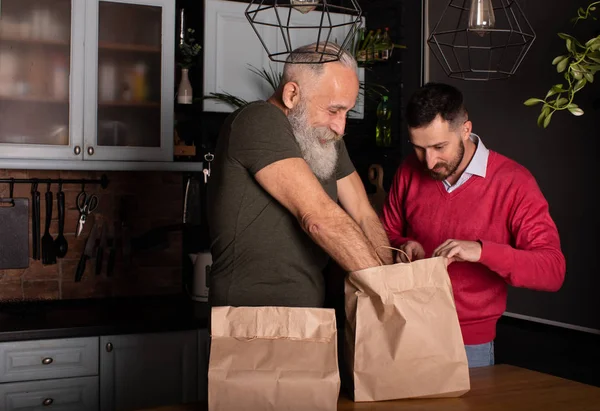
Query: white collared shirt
[(477, 165)]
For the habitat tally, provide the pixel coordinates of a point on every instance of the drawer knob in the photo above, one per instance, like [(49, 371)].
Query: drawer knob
[(109, 347), (47, 360), (48, 401)]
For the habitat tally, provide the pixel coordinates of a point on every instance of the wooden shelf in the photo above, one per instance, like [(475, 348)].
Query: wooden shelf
[(34, 99), (142, 48), (141, 104), (44, 42)]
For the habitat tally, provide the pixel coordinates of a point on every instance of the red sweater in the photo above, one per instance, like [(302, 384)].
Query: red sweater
[(505, 211)]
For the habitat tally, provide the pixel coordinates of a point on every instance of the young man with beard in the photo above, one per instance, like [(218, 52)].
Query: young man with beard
[(484, 212), (280, 167)]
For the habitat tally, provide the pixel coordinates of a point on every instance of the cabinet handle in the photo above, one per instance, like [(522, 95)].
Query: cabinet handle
[(77, 150), (109, 347), (91, 151), (48, 401), (47, 360)]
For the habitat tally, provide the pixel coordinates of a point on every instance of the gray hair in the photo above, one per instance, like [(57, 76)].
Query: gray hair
[(312, 57)]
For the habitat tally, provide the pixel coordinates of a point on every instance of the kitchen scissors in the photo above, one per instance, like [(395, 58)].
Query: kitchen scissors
[(86, 204)]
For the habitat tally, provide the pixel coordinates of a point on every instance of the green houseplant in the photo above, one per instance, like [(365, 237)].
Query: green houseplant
[(579, 65)]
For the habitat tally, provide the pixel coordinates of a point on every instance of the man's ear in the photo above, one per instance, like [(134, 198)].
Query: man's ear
[(467, 127), (291, 94)]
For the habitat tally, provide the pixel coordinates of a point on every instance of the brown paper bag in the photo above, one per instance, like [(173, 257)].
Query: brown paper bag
[(403, 339), (273, 358)]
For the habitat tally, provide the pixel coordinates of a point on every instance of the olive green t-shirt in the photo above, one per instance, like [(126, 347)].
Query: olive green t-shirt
[(261, 255)]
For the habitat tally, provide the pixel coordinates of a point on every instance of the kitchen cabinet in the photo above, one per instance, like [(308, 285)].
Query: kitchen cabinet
[(108, 373), (68, 394), (46, 359), (232, 49), (203, 357), (59, 374), (86, 83), (148, 370)]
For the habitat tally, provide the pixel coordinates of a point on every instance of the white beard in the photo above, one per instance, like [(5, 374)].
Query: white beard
[(321, 158)]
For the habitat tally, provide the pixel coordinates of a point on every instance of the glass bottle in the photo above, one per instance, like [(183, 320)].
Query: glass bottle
[(383, 130), (386, 45)]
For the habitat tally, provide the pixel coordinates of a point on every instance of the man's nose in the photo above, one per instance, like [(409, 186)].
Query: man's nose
[(431, 159), (338, 125)]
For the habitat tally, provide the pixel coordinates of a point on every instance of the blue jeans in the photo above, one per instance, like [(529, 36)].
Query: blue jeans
[(480, 355)]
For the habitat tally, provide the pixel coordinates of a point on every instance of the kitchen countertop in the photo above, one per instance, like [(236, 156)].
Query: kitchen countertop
[(495, 388), (94, 317)]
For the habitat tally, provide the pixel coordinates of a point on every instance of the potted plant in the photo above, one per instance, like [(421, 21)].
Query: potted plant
[(579, 65)]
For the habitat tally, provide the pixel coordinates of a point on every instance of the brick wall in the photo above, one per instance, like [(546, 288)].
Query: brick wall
[(152, 199)]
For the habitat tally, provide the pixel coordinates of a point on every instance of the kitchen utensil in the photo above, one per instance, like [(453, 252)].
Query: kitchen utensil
[(86, 204), (48, 255), (88, 252), (110, 243), (100, 251), (35, 221), (126, 245), (14, 241), (61, 246), (125, 234), (202, 262)]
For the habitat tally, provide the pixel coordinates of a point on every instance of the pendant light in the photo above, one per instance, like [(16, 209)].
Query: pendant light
[(284, 25), (481, 16), (305, 6), (481, 39)]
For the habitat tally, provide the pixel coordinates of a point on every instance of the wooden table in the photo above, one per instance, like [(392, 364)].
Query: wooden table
[(496, 388)]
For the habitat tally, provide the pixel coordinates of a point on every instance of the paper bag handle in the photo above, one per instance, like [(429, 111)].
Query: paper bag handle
[(396, 249)]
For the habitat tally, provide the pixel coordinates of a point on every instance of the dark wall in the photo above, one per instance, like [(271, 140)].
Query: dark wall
[(562, 158)]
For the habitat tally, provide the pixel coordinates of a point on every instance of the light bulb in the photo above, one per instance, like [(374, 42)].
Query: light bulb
[(304, 6), (481, 16)]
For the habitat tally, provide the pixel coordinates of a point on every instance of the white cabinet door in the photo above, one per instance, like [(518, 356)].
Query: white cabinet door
[(130, 50), (41, 79), (231, 47)]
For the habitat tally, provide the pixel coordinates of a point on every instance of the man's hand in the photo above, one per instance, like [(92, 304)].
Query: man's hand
[(413, 249), (459, 250), (354, 200)]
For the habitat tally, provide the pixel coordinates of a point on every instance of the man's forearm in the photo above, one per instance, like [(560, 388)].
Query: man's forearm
[(375, 233), (342, 239)]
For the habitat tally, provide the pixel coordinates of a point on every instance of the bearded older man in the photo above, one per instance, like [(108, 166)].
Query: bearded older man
[(280, 168)]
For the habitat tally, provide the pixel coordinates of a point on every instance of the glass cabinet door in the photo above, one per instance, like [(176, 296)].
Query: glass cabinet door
[(38, 117), (132, 98)]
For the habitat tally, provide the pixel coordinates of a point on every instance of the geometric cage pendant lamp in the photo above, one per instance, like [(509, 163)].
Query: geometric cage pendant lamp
[(481, 39), (284, 25)]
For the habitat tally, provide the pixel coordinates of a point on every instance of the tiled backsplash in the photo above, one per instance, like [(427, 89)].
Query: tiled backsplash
[(151, 199)]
